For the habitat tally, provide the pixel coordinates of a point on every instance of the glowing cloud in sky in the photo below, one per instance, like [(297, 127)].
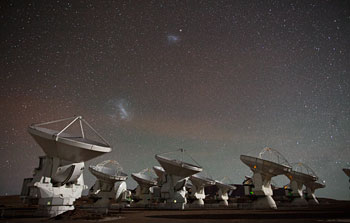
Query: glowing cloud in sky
[(124, 115), (119, 110), (173, 39)]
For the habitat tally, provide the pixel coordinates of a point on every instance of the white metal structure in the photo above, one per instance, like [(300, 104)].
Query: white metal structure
[(199, 182), (144, 188), (58, 181), (173, 190), (310, 190), (122, 193), (104, 191), (300, 175), (160, 172), (263, 170), (223, 191)]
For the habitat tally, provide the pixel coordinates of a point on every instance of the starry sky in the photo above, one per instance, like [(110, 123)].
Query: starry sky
[(217, 78)]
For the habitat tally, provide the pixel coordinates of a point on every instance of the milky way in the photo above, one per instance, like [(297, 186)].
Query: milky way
[(218, 78)]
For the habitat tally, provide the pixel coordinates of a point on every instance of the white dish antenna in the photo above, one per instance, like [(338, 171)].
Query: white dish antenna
[(105, 188), (177, 167), (223, 191), (224, 186), (316, 185), (67, 147), (269, 162), (146, 180), (108, 171), (200, 180), (175, 177), (300, 175), (302, 172), (58, 180), (160, 172), (143, 179)]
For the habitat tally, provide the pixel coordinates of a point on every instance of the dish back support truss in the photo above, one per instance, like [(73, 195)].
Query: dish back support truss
[(74, 119)]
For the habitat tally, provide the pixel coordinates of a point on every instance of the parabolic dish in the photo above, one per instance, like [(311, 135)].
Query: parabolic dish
[(265, 166), (299, 176), (347, 171), (178, 168), (223, 186), (160, 172), (201, 180), (302, 172), (67, 147), (107, 174), (144, 180), (315, 185)]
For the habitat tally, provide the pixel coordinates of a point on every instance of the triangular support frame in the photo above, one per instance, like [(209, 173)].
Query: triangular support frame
[(74, 119)]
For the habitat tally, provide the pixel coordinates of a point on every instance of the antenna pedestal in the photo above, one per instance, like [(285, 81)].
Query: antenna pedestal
[(300, 175), (197, 193), (54, 187), (173, 191), (143, 195), (145, 189), (262, 189), (297, 193), (222, 196), (310, 196), (58, 181), (103, 193), (262, 184), (310, 192), (297, 188), (263, 170), (176, 174), (104, 196), (197, 190)]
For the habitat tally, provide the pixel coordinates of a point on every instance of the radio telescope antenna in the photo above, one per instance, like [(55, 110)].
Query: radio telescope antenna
[(300, 175), (104, 191), (173, 190), (310, 190), (268, 164), (146, 180), (58, 181), (224, 188), (199, 182), (160, 172)]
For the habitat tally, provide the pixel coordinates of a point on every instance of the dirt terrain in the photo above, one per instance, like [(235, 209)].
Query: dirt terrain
[(328, 211)]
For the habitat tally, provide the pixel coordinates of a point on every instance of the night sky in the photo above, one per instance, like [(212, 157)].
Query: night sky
[(217, 78)]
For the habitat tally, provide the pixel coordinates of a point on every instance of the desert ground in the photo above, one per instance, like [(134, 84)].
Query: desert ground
[(12, 210)]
